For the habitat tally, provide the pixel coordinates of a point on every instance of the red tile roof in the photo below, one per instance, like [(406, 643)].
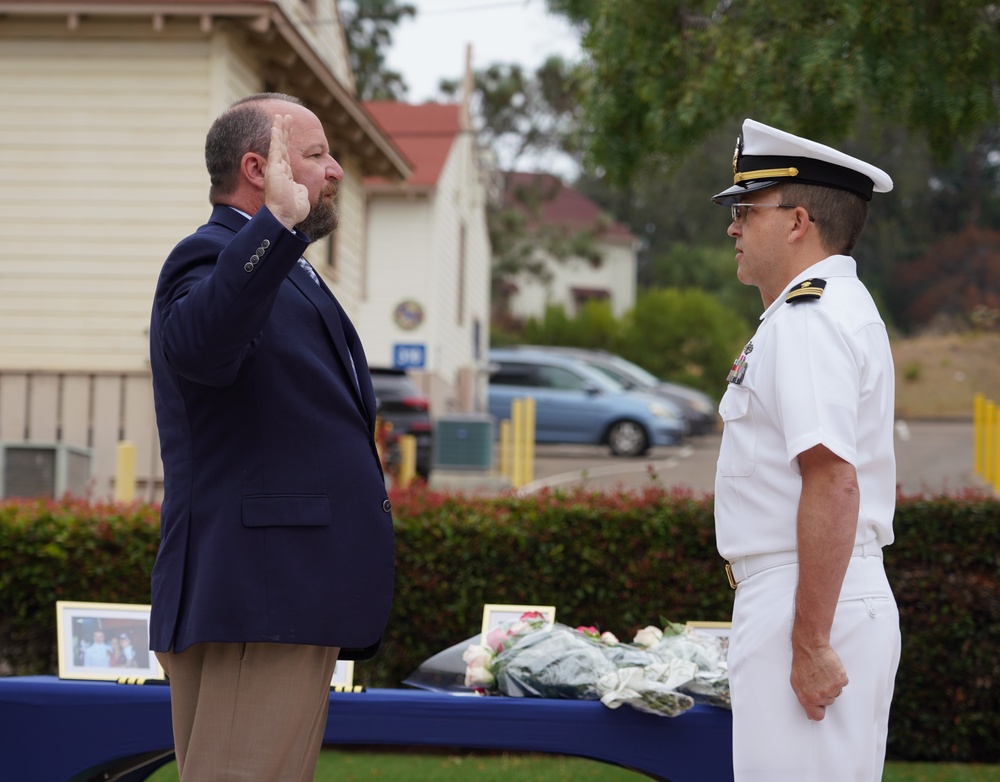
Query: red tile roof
[(559, 204), (423, 132)]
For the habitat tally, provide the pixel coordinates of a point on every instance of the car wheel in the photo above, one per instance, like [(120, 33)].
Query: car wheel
[(627, 438)]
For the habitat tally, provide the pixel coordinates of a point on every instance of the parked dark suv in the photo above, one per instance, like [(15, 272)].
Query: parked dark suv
[(402, 404)]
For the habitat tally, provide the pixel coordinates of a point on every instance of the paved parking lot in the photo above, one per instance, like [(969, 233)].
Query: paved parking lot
[(931, 456)]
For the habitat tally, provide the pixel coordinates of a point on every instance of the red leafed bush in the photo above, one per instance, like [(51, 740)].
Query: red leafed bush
[(617, 561)]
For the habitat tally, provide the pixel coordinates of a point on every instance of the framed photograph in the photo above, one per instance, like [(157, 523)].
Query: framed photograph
[(720, 629), (105, 641), (717, 629), (496, 614), (343, 675)]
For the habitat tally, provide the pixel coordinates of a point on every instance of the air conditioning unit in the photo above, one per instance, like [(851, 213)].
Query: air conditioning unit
[(463, 442), (36, 470)]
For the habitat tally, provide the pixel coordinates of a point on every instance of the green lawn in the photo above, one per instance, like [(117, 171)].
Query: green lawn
[(364, 766)]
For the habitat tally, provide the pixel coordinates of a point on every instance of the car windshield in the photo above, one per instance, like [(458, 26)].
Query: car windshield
[(616, 378), (641, 375)]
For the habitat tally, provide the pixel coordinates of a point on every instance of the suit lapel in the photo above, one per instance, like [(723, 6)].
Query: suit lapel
[(345, 338)]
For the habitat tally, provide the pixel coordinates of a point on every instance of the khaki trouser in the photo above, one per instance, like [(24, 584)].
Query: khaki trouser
[(251, 712)]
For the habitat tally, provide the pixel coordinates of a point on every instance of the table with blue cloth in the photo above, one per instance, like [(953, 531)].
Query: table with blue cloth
[(54, 730)]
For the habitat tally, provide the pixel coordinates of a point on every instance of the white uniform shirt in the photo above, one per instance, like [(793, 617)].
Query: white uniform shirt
[(816, 372)]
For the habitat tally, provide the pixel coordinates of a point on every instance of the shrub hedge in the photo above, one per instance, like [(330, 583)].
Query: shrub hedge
[(616, 561)]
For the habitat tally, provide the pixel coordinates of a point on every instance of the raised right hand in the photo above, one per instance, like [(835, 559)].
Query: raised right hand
[(286, 199)]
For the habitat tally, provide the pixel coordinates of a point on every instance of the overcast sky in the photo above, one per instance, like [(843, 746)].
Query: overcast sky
[(431, 46)]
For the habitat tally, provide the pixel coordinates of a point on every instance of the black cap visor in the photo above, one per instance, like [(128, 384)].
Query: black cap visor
[(735, 194)]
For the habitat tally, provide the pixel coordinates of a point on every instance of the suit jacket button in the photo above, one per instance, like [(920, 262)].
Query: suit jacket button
[(266, 243), (248, 267), (386, 505)]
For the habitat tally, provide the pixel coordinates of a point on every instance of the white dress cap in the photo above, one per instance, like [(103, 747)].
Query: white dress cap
[(766, 156)]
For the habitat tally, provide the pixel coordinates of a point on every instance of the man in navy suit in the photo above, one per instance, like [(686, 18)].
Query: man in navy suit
[(276, 550)]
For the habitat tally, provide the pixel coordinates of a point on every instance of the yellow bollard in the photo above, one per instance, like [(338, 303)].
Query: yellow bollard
[(125, 472), (517, 457), (978, 402), (989, 418), (505, 437), (996, 450), (407, 460), (529, 441)]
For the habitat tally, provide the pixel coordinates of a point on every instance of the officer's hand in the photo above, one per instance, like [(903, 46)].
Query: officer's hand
[(286, 199), (818, 678)]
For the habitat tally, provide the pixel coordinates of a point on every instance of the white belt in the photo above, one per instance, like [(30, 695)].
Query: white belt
[(743, 567)]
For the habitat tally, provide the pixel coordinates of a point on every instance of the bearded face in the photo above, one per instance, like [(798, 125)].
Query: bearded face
[(324, 217)]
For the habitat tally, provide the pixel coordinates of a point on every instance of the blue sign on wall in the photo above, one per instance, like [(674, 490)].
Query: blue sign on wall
[(411, 356)]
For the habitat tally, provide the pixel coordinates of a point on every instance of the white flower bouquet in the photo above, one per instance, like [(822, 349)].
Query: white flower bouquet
[(660, 672)]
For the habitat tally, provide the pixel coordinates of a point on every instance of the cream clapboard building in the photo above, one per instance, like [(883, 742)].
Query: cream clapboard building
[(106, 105)]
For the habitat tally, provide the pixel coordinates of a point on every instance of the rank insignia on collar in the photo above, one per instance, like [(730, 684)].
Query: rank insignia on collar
[(804, 291), (740, 365)]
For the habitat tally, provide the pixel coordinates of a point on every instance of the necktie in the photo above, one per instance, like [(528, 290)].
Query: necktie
[(315, 278), (309, 270)]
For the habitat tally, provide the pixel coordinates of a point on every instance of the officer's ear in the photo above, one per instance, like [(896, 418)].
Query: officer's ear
[(802, 226)]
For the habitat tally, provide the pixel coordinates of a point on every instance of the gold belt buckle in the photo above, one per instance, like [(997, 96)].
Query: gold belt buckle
[(729, 575)]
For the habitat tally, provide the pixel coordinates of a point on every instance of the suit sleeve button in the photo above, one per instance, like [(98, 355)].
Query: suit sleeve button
[(386, 505), (248, 267)]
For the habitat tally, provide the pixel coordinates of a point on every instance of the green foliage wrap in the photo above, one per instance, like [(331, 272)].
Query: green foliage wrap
[(619, 562)]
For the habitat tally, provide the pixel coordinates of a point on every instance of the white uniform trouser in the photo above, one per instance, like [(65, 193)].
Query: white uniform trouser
[(773, 740)]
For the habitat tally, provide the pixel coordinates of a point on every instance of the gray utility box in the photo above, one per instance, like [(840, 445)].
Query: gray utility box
[(463, 441), (43, 470)]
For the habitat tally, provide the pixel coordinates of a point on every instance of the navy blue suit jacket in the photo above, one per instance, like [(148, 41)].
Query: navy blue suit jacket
[(275, 522)]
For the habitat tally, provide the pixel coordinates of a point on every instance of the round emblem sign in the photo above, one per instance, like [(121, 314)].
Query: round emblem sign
[(408, 314)]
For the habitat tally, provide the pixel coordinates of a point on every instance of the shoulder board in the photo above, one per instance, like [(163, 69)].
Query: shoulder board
[(804, 291)]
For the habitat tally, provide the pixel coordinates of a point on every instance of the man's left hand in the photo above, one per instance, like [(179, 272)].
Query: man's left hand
[(818, 679)]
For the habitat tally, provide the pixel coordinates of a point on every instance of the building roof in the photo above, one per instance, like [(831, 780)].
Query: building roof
[(546, 199), (424, 133)]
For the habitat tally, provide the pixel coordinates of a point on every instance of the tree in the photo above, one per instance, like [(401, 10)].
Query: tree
[(522, 115), (529, 231), (958, 276), (877, 79), (368, 26), (593, 327), (666, 73), (685, 335)]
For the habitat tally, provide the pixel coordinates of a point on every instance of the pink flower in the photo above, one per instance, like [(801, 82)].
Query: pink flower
[(589, 631), (497, 637)]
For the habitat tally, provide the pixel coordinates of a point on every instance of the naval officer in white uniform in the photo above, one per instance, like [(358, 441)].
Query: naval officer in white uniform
[(806, 479)]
